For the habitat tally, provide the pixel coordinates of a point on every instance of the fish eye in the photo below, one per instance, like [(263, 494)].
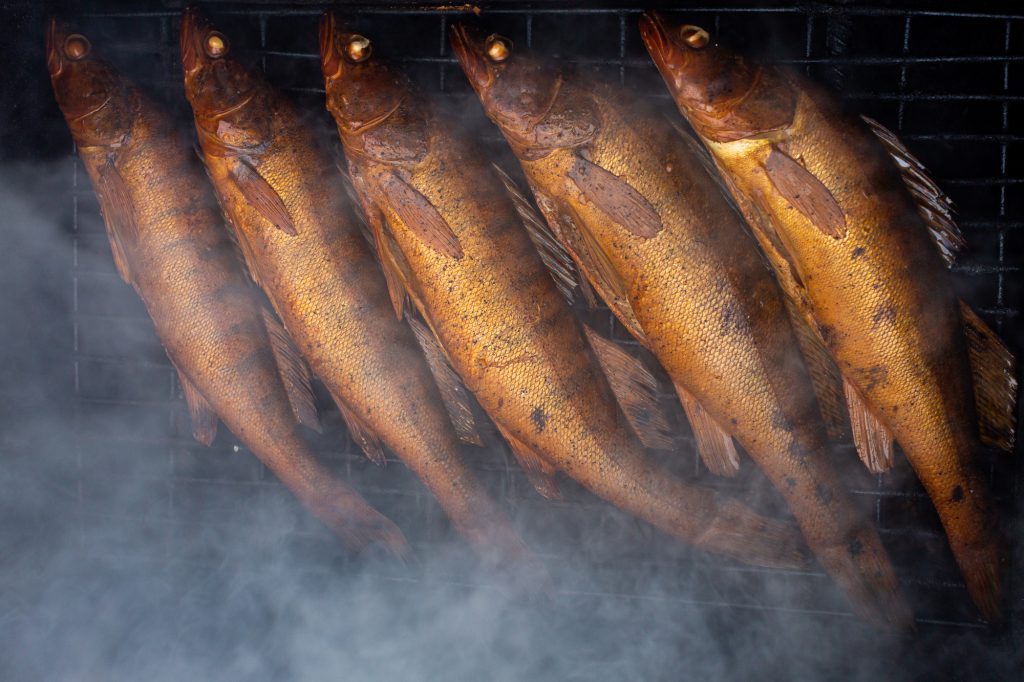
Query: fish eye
[(498, 48), (216, 45), (694, 36), (76, 46), (358, 49)]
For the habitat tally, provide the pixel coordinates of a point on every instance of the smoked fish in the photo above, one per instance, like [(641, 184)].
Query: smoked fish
[(857, 234), (655, 236), (450, 239), (233, 359), (281, 194)]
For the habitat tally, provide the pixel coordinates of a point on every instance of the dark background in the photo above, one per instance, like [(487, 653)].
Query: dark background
[(129, 551)]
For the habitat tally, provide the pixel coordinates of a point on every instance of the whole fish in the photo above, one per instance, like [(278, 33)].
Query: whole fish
[(280, 192), (232, 357), (851, 234), (450, 238), (656, 237)]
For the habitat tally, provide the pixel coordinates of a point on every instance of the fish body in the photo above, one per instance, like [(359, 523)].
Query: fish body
[(651, 229), (450, 233), (835, 218), (169, 243), (281, 193)]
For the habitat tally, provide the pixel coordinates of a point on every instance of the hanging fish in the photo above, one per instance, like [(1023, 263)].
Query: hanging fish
[(858, 235), (652, 232), (234, 361)]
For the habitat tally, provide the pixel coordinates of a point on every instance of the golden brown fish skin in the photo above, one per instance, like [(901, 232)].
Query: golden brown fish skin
[(185, 270), (497, 312), (329, 291), (883, 301), (708, 307)]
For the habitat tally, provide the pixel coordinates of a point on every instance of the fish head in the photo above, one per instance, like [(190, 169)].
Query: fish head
[(518, 90), (362, 90), (95, 100), (724, 95), (219, 86)]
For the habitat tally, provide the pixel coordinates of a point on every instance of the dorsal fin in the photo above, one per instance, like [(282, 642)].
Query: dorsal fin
[(635, 390), (420, 216), (298, 381), (453, 392), (806, 193), (119, 216), (714, 445), (592, 262), (935, 207), (616, 198), (261, 195), (552, 252), (204, 419), (361, 433), (541, 474), (994, 370), (873, 440), (825, 377)]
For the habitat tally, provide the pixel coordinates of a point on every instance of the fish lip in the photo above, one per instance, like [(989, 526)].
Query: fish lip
[(193, 22), (654, 34), (54, 61), (330, 57), (468, 52)]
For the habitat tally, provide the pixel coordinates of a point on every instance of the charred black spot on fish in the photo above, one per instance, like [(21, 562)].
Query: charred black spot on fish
[(823, 493), (884, 314), (828, 334), (958, 494), (790, 482), (857, 253), (539, 419), (856, 547)]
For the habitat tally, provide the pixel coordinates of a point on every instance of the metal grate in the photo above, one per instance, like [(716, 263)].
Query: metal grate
[(941, 79)]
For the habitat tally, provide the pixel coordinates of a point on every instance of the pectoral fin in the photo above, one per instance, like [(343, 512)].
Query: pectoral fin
[(542, 475), (298, 381), (932, 203), (420, 216), (558, 261), (806, 193), (119, 214), (994, 369), (715, 446), (374, 229), (453, 392), (361, 433), (204, 419), (261, 195), (872, 439), (635, 390), (615, 197)]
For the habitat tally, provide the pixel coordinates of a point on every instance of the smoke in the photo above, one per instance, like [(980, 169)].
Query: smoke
[(129, 552)]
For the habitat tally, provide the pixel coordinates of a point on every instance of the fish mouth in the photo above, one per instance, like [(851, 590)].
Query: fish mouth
[(668, 55), (468, 45), (54, 32), (193, 26), (330, 55)]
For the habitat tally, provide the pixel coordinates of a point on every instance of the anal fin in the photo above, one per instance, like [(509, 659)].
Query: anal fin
[(204, 419), (453, 393), (873, 440), (635, 390), (541, 474), (994, 371), (361, 433), (715, 446), (298, 381)]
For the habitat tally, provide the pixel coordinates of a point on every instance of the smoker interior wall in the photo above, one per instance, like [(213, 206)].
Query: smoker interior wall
[(127, 484)]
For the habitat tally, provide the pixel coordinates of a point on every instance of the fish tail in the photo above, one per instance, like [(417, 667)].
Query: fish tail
[(738, 532), (862, 568), (982, 568)]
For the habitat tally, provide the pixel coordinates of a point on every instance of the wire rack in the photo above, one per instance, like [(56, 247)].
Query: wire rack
[(941, 79)]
